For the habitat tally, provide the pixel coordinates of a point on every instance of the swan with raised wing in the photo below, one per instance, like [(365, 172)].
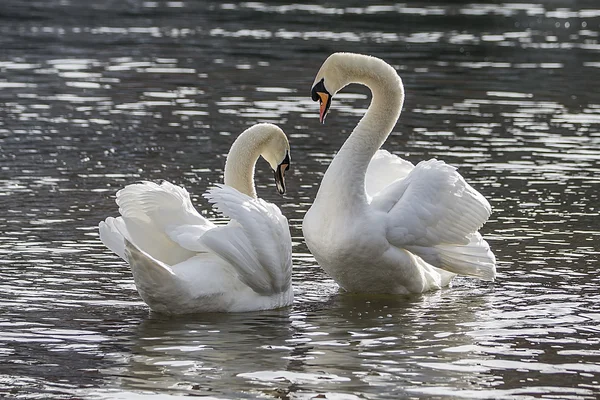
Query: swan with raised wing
[(183, 263), (378, 223)]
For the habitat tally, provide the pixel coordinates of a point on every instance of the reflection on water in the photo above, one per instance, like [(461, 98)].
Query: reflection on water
[(96, 95)]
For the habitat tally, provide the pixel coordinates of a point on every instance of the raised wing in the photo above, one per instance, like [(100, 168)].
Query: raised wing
[(167, 205), (435, 214), (385, 168), (162, 221), (432, 205), (257, 242)]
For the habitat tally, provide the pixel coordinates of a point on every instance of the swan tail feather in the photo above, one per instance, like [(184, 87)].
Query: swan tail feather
[(111, 235), (473, 259)]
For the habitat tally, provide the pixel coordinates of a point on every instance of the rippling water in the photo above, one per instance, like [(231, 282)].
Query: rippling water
[(98, 94)]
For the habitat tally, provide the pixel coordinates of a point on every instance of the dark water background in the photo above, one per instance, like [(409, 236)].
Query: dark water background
[(95, 95)]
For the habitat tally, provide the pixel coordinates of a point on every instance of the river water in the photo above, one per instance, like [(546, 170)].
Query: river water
[(95, 95)]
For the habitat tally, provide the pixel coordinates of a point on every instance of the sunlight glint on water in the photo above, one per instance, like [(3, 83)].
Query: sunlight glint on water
[(96, 96)]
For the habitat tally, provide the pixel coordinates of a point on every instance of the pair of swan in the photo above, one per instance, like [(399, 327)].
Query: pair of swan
[(378, 223)]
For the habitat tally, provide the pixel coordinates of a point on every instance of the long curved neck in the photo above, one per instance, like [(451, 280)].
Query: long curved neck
[(345, 177), (242, 158)]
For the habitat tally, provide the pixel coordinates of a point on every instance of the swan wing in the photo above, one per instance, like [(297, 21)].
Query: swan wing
[(436, 214), (385, 168), (160, 220), (257, 242), (166, 204)]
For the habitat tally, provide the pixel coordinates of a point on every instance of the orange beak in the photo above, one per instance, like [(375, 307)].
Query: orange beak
[(324, 105)]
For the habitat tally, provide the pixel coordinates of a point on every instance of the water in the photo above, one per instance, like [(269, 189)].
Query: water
[(96, 95)]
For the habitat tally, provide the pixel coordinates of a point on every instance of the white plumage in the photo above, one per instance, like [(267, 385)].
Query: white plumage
[(183, 263), (380, 224)]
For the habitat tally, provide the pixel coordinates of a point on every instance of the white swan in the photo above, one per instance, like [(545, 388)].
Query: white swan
[(183, 263), (378, 223)]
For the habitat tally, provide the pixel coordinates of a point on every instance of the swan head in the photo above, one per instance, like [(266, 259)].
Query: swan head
[(276, 151), (320, 93), (330, 80), (341, 69)]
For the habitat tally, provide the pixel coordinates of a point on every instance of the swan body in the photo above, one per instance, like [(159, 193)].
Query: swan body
[(183, 263), (379, 224)]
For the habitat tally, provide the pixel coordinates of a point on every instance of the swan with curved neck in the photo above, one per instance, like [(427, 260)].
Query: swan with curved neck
[(183, 263), (418, 228), (352, 160)]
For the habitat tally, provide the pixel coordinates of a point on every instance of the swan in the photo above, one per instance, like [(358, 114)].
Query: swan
[(182, 263), (379, 224)]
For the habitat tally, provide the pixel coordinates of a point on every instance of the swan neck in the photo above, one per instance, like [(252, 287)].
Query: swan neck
[(379, 120), (348, 169), (241, 161)]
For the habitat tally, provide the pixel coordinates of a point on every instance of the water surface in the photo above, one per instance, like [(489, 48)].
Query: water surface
[(97, 95)]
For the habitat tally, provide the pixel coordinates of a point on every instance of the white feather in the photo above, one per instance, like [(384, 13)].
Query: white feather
[(432, 205), (259, 244), (384, 169), (112, 237), (380, 224), (183, 263)]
